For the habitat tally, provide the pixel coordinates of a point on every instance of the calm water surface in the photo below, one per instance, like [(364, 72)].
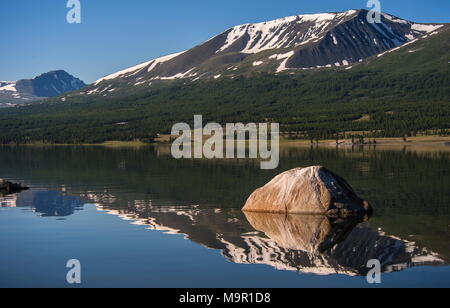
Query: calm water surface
[(138, 218)]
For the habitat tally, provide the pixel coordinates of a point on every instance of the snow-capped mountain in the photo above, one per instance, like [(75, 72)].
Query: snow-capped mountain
[(291, 43), (46, 85)]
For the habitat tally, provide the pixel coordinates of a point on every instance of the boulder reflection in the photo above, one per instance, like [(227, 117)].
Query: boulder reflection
[(310, 233)]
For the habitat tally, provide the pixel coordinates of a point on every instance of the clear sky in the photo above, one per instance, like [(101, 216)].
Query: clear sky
[(116, 34)]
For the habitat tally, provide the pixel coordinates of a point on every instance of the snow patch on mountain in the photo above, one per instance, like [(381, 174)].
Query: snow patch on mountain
[(278, 33), (425, 28), (285, 56), (187, 74), (162, 60), (397, 48), (136, 69), (9, 87), (394, 19), (124, 72), (335, 42)]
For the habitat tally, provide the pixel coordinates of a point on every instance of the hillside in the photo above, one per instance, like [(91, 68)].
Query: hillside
[(297, 42), (401, 91), (46, 85)]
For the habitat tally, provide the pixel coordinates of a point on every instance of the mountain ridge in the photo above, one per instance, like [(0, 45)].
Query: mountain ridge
[(46, 85), (297, 42)]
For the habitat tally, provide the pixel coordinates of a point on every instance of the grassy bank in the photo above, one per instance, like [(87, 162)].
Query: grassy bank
[(420, 143), (111, 144)]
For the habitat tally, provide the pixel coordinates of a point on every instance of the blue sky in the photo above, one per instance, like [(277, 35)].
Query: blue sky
[(116, 34)]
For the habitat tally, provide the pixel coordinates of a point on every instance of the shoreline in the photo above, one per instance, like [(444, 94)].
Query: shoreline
[(110, 144), (422, 142)]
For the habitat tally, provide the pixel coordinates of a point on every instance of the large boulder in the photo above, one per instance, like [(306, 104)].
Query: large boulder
[(312, 190)]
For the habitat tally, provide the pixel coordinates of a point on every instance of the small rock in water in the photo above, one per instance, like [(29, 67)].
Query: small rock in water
[(312, 190), (10, 188)]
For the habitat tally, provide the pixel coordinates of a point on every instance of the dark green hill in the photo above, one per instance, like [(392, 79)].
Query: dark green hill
[(401, 92)]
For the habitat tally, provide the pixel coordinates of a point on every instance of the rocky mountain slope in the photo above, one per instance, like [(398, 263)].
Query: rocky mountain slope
[(46, 85), (297, 42)]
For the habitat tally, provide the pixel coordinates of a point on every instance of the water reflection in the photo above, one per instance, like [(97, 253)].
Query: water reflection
[(409, 192), (313, 234), (8, 200), (304, 243), (44, 202)]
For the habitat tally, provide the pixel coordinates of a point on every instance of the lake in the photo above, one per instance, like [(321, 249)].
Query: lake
[(136, 217)]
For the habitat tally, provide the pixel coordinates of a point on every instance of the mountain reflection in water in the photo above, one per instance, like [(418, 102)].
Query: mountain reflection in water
[(304, 243), (45, 203), (312, 244), (409, 192)]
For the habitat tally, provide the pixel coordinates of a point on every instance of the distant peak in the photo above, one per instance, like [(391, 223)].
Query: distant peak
[(55, 72)]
